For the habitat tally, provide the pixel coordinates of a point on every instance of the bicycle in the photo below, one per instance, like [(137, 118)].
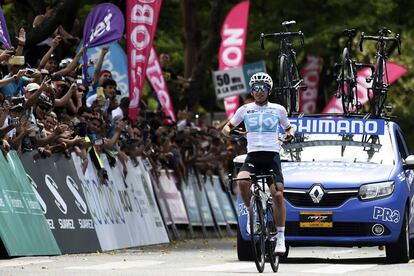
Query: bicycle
[(346, 79), (290, 81), (262, 227), (379, 79)]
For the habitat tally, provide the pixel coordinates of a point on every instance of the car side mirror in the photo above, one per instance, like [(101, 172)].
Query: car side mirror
[(408, 163)]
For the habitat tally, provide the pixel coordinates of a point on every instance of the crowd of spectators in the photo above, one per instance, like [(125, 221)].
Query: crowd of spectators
[(46, 108)]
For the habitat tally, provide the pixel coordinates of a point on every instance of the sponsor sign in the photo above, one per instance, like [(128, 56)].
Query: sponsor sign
[(4, 33), (104, 24), (24, 230), (338, 126), (310, 73), (215, 204), (235, 81), (60, 193), (315, 220), (172, 196), (233, 40), (189, 196), (142, 18), (205, 211), (225, 201)]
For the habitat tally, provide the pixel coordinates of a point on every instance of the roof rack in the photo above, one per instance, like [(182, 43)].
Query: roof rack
[(350, 115)]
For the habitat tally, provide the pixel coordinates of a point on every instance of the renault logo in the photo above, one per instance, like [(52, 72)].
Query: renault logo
[(316, 193)]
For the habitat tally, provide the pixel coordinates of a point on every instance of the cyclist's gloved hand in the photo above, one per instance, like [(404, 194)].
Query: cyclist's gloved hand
[(237, 133), (286, 138)]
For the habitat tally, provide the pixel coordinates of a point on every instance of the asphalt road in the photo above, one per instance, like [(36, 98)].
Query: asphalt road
[(206, 257)]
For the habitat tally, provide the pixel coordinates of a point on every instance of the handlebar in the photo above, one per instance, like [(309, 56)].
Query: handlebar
[(381, 39), (281, 35)]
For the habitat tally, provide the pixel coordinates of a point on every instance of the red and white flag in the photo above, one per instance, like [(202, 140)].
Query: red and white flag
[(310, 73), (394, 70), (233, 40), (156, 78), (141, 23)]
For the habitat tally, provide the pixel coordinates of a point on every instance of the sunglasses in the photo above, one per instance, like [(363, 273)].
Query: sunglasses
[(264, 88)]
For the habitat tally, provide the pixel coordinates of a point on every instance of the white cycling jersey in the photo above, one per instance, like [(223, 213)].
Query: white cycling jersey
[(262, 125)]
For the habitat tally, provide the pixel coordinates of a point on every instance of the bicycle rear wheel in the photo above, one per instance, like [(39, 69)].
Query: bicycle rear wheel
[(347, 84), (378, 90), (270, 243), (294, 79), (285, 84), (257, 234)]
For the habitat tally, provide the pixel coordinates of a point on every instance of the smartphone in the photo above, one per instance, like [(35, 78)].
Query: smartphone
[(99, 91), (29, 71), (79, 81), (98, 142)]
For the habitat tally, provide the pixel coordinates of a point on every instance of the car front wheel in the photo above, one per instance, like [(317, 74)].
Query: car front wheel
[(399, 252)]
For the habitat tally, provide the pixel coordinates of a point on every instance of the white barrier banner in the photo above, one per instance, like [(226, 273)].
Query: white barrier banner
[(172, 196)]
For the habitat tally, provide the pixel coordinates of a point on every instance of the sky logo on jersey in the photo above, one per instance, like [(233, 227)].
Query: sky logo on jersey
[(338, 126), (261, 122)]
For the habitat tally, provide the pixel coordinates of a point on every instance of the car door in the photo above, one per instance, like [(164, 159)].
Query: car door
[(409, 174)]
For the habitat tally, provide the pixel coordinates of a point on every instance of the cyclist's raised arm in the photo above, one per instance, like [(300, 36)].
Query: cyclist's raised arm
[(234, 121)]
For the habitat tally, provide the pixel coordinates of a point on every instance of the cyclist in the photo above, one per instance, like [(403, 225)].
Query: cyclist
[(262, 120)]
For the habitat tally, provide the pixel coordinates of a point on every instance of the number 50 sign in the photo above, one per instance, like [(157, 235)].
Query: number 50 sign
[(235, 81)]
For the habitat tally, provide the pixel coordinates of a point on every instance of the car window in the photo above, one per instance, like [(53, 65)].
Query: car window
[(402, 146), (341, 148)]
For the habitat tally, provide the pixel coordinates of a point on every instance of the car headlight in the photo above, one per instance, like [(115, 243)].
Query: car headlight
[(376, 190)]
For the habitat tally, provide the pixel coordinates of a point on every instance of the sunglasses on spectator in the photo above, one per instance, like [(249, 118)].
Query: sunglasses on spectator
[(263, 87)]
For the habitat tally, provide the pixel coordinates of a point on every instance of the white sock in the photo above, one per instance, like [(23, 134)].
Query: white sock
[(281, 231)]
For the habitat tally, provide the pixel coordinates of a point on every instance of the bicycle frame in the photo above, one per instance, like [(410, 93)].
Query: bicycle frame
[(289, 78), (379, 78)]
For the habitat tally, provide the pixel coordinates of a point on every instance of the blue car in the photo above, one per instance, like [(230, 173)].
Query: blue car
[(348, 182)]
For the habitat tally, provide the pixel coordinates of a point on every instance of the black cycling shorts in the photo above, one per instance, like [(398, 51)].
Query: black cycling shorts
[(261, 162)]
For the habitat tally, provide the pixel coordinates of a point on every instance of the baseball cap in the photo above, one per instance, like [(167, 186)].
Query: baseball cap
[(32, 87), (16, 60)]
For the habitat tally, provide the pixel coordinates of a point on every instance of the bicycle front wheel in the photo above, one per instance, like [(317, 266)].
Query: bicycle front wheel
[(285, 84), (257, 232), (347, 89), (271, 243), (378, 90)]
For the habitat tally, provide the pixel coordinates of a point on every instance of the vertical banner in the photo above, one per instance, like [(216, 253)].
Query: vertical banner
[(4, 33), (233, 40), (310, 73), (394, 71), (142, 18), (156, 78), (104, 24)]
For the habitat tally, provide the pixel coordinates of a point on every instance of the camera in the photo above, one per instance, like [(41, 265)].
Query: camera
[(29, 71)]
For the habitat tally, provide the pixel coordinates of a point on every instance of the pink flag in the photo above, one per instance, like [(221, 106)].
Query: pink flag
[(310, 73), (233, 40), (395, 71), (156, 78), (141, 23)]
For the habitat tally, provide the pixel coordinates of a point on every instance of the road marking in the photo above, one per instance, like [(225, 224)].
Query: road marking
[(116, 265), (338, 269), (22, 262), (222, 267)]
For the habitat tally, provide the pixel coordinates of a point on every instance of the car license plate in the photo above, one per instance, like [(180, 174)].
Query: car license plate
[(315, 220)]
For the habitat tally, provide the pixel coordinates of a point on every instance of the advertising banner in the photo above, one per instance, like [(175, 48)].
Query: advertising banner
[(104, 24), (233, 40), (23, 227), (156, 78), (141, 18), (235, 81), (214, 203), (172, 196), (310, 73), (205, 211), (106, 208), (226, 203), (115, 61), (4, 33), (187, 188), (394, 72), (60, 192)]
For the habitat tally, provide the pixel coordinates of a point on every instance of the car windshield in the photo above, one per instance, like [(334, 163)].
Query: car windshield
[(340, 148)]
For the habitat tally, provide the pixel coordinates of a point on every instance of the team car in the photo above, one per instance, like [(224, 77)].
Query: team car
[(348, 182)]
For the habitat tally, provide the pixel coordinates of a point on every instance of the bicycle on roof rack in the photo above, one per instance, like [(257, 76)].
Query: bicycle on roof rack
[(347, 77), (379, 79), (290, 81)]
